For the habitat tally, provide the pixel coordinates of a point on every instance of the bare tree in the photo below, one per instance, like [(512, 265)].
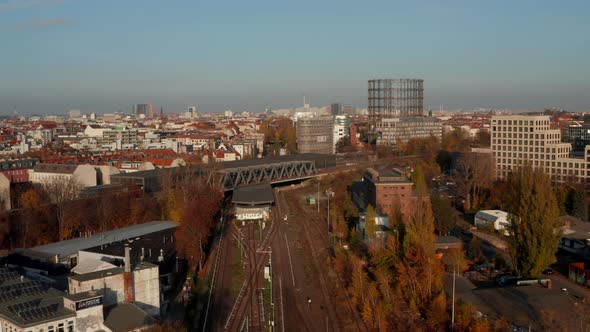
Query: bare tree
[(60, 191), (474, 178)]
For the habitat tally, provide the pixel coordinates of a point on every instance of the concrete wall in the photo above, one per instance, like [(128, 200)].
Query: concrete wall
[(86, 175), (104, 173), (4, 192), (147, 290), (87, 320), (110, 287)]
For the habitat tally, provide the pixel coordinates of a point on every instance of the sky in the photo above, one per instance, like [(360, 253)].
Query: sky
[(102, 55)]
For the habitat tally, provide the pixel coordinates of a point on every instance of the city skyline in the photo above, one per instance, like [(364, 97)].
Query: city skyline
[(106, 56)]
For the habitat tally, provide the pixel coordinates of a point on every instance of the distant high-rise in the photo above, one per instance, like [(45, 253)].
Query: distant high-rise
[(396, 110), (399, 98), (336, 109), (192, 110), (315, 134), (74, 113), (142, 109)]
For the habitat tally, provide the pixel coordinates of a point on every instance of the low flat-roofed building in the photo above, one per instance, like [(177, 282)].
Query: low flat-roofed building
[(253, 202), (85, 175), (500, 220), (29, 305), (110, 283), (149, 180), (66, 252)]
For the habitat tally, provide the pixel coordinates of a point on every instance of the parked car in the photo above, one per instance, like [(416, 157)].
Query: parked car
[(548, 271)]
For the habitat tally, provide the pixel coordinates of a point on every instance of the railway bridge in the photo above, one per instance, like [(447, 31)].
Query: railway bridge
[(270, 170)]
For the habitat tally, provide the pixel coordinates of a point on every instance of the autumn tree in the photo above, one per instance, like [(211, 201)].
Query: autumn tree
[(419, 180), (455, 140), (31, 204), (534, 216), (579, 204), (444, 214), (474, 179), (198, 219), (419, 271), (60, 192), (359, 282), (370, 222)]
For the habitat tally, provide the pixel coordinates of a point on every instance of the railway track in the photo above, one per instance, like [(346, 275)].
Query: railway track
[(323, 241)]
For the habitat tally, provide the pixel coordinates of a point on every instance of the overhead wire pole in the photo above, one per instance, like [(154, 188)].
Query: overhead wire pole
[(453, 306), (318, 196)]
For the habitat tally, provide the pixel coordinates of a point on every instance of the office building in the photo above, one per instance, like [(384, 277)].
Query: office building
[(577, 135), (315, 134), (520, 138), (336, 109), (400, 130)]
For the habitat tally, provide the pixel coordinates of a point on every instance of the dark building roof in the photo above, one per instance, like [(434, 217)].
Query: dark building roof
[(55, 168), (253, 195), (27, 303), (320, 160), (386, 175), (124, 317), (69, 247), (109, 272)]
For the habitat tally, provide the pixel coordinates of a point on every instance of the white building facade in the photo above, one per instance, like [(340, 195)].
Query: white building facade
[(522, 138)]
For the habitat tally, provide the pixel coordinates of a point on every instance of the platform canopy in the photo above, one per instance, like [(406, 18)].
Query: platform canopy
[(259, 194)]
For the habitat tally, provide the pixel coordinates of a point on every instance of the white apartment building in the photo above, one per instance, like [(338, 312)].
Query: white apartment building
[(85, 175), (519, 138), (341, 129)]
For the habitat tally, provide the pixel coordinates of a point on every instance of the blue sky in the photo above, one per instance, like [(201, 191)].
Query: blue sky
[(106, 55)]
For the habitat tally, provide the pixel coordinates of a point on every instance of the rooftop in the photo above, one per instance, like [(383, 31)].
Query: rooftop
[(55, 168), (109, 272), (126, 317), (575, 228), (491, 215), (253, 195), (26, 302), (69, 247), (386, 175)]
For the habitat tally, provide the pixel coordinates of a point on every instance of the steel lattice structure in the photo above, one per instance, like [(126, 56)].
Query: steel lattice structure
[(395, 99), (230, 178)]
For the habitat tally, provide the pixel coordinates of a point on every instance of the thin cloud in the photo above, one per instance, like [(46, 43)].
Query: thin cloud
[(43, 24), (26, 4)]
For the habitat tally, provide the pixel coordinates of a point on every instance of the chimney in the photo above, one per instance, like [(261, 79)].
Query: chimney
[(128, 277)]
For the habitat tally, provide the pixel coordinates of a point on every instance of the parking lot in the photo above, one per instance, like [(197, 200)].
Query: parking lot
[(522, 306)]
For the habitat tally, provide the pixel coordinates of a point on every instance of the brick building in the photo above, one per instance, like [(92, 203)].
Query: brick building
[(380, 187)]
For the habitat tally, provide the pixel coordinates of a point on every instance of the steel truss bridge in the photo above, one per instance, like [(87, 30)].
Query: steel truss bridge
[(233, 177)]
